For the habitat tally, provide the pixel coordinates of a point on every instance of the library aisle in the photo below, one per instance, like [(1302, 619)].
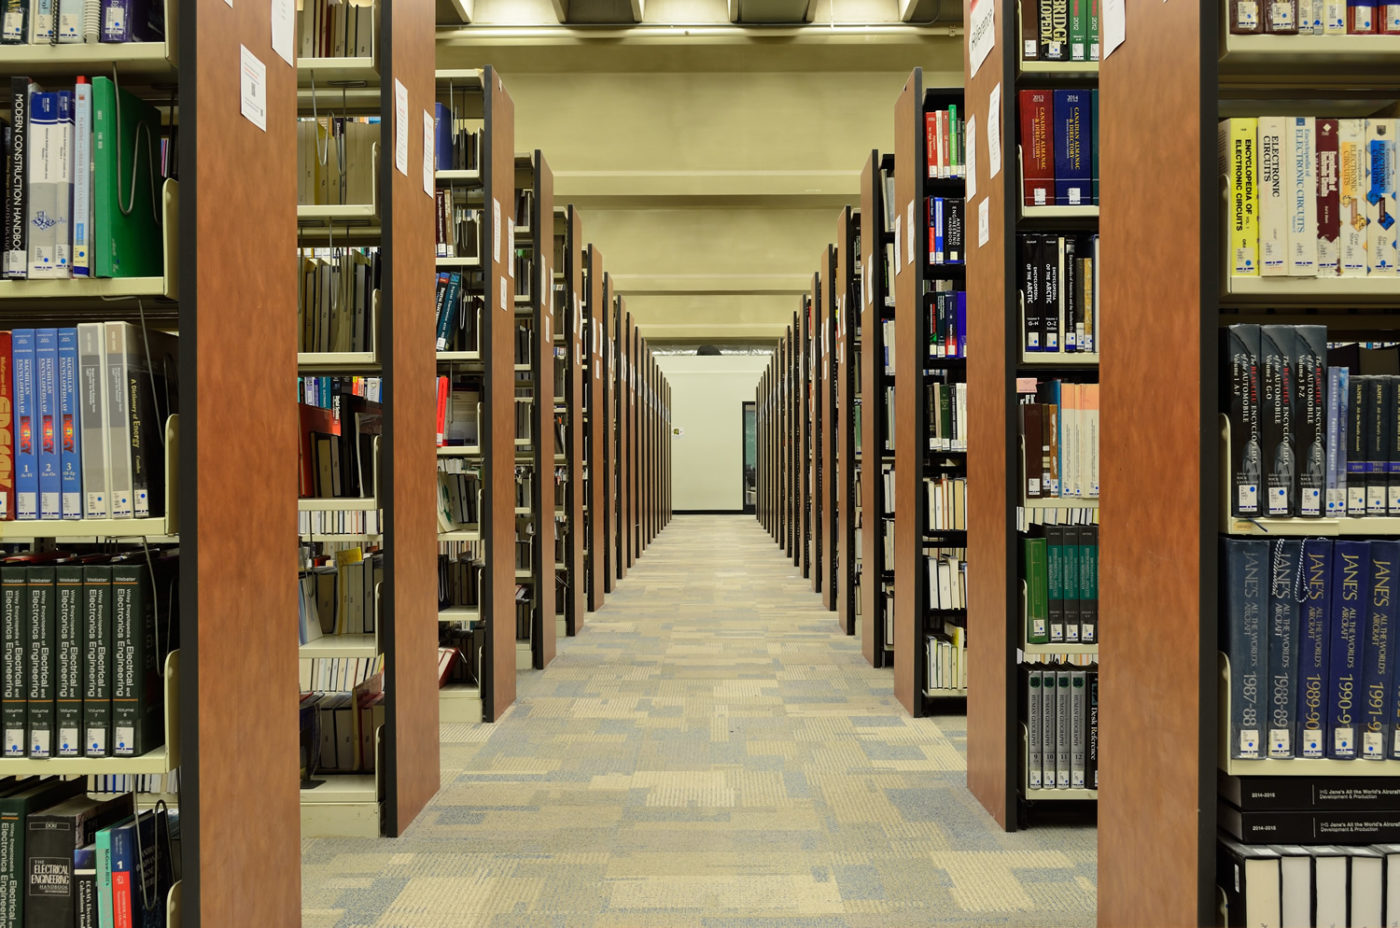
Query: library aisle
[(709, 751)]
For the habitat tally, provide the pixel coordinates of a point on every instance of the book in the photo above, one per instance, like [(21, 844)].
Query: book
[(1246, 572), (1054, 30), (51, 837), (41, 631), (1313, 651), (70, 463), (82, 178), (1249, 876), (46, 422), (1300, 161), (16, 806), (1377, 654), (1035, 749), (1299, 794), (1353, 165), (1275, 202), (1038, 167), (85, 887), (1311, 826), (97, 660), (68, 659), (1237, 146), (1285, 572), (141, 870), (1073, 176), (93, 446), (7, 428), (1037, 617), (1350, 568), (125, 244), (1380, 196), (137, 692), (1327, 207), (16, 263), (1276, 410), (26, 418), (1310, 418)]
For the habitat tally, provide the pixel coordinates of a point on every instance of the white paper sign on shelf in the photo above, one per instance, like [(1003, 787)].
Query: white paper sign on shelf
[(429, 134), (970, 157), (898, 231), (252, 84), (284, 29), (981, 32), (1115, 25), (495, 229), (400, 127), (912, 237), (984, 222), (994, 132)]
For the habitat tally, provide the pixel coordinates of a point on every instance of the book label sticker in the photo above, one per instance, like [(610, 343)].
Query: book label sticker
[(1342, 742), (400, 127), (1280, 745), (994, 132), (253, 88), (284, 27), (1373, 745), (981, 33), (983, 222), (970, 158), (428, 153), (1312, 743), (1249, 743)]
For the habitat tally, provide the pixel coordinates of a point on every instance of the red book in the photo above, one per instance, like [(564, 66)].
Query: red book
[(931, 140), (7, 429), (121, 899), (441, 411), (1037, 152), (1361, 17)]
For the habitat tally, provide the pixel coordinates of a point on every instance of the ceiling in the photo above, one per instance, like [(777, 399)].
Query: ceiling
[(708, 160)]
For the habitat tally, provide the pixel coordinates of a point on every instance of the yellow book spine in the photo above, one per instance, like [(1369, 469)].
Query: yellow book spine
[(1238, 141)]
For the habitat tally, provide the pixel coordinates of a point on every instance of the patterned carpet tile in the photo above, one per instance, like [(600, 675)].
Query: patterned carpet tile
[(709, 752)]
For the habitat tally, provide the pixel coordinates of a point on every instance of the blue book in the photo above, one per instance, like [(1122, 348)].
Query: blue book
[(46, 401), (1246, 589), (1284, 581), (442, 132), (26, 453), (447, 321), (1377, 651), (938, 254), (1313, 630), (1351, 569), (962, 323), (1072, 139), (70, 457)]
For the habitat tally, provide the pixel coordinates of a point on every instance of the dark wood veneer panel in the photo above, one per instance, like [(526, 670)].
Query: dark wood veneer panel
[(500, 332), (910, 352), (573, 340), (871, 366), (411, 537), (240, 753), (845, 444), (1153, 808), (989, 715), (545, 626), (597, 432)]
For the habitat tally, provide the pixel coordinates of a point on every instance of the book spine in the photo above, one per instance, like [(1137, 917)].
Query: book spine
[(1094, 56), (1361, 17), (1276, 414), (1357, 467), (1238, 139), (1063, 731), (7, 428), (1037, 152), (1379, 413), (1310, 417), (1050, 252), (1285, 571), (117, 20), (1244, 17), (1350, 570), (1336, 504), (42, 637), (1282, 17), (68, 681), (1072, 181), (70, 457), (15, 22), (1274, 199), (17, 207), (1376, 669), (1380, 196), (1078, 29), (136, 686), (46, 396), (1034, 747), (117, 420), (931, 142), (92, 387), (1054, 30), (1078, 740), (1303, 195), (14, 616), (1088, 584), (1030, 31), (26, 452), (1334, 17), (1313, 641), (1327, 209), (1352, 163), (1091, 759), (85, 898), (1054, 595), (1246, 569), (41, 217), (97, 660), (82, 178), (1243, 350)]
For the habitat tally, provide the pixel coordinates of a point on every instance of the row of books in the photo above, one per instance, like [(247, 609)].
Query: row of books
[(943, 139), (456, 139), (947, 415), (1309, 197), (1029, 516), (339, 441), (946, 654), (1059, 290), (947, 324), (61, 213), (459, 411), (947, 243), (1308, 884), (340, 596), (326, 391), (338, 300), (1308, 630), (337, 160), (64, 22), (1062, 726), (83, 640), (947, 504), (87, 434), (1314, 17), (947, 578), (1060, 30), (460, 567), (65, 857), (340, 522), (335, 29), (342, 727), (339, 674), (1060, 440), (458, 228), (164, 784), (1060, 566), (458, 319), (459, 494), (1059, 147)]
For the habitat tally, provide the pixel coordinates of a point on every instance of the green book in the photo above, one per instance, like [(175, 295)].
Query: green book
[(40, 649), (1055, 581), (954, 140), (127, 238), (1079, 30), (97, 660), (1089, 584), (1071, 584), (15, 809), (137, 696), (68, 684), (1036, 590), (1094, 34)]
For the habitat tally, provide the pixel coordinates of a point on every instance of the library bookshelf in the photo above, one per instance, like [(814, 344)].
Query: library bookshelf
[(846, 473)]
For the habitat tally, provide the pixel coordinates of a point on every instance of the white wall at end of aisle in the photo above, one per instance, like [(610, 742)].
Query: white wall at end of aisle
[(707, 397)]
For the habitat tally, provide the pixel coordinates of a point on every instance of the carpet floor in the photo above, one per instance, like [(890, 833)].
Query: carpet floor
[(708, 752)]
